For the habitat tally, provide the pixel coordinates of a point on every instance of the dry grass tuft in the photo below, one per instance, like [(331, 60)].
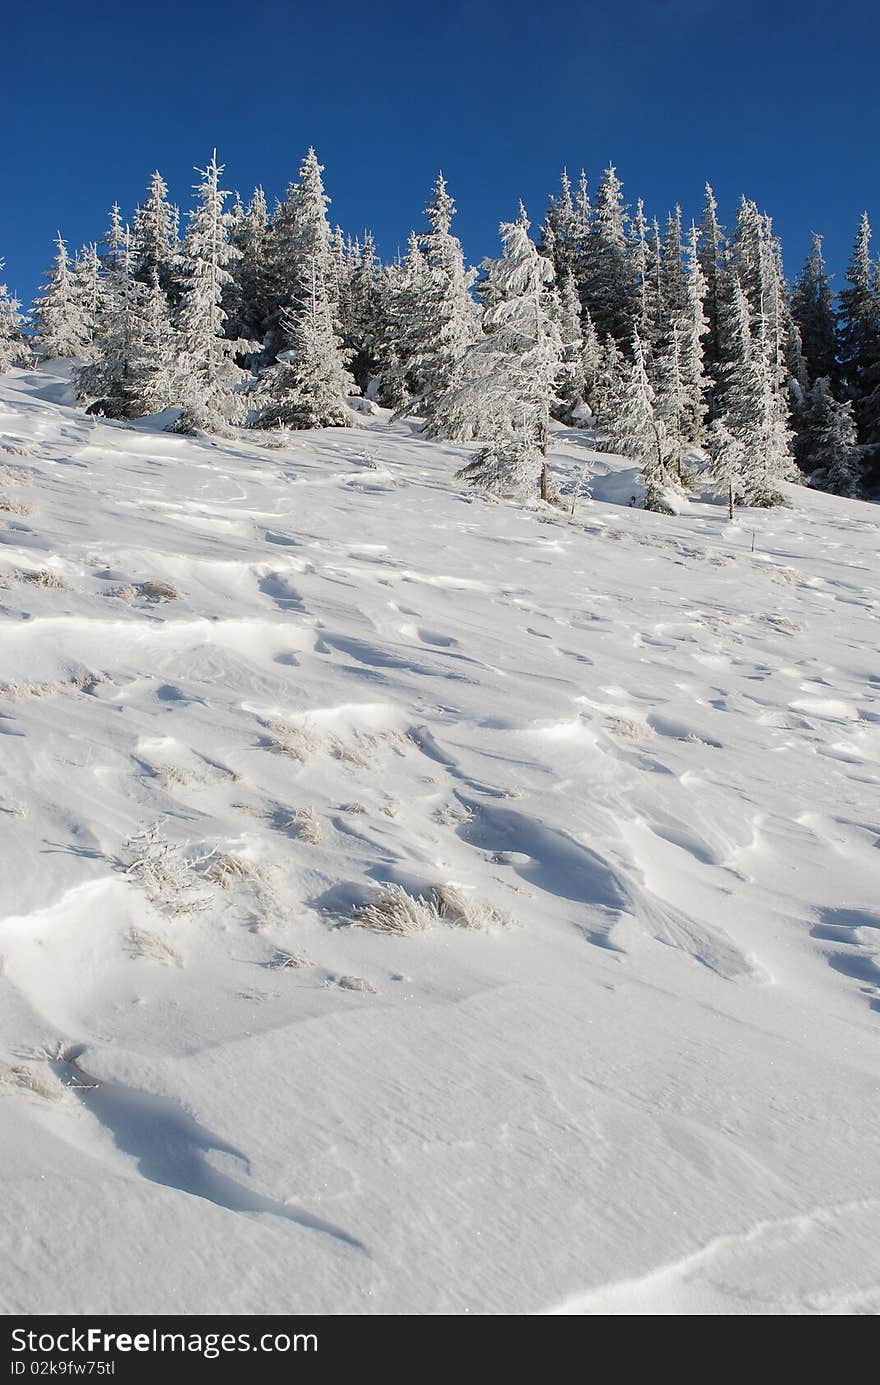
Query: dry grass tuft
[(142, 943), (395, 910), (289, 961), (23, 1079), (629, 728), (226, 870), (305, 825), (42, 577), (15, 507), (354, 983)]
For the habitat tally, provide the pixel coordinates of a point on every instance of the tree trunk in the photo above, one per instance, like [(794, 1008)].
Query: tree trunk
[(730, 500)]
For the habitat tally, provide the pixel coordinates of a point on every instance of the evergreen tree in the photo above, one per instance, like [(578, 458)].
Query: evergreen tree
[(571, 382), (812, 306), (206, 376), (14, 350), (508, 374), (561, 235), (108, 379), (727, 463), (860, 338), (151, 235), (754, 409), (591, 357), (299, 239), (830, 441), (248, 302), (363, 329), (114, 242), (447, 315), (89, 288), (633, 428), (58, 312), (307, 385), (646, 311), (609, 287), (401, 290), (131, 370), (711, 252)]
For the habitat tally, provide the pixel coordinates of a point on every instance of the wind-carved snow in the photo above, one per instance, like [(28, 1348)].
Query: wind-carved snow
[(245, 688)]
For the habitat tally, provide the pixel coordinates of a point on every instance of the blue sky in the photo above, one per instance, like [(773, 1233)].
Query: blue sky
[(778, 101)]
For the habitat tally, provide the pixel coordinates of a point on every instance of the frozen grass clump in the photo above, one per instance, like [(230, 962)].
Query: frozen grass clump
[(394, 910), (629, 728), (305, 825), (11, 506), (23, 1079), (354, 983), (142, 943), (41, 577), (226, 870), (153, 591)]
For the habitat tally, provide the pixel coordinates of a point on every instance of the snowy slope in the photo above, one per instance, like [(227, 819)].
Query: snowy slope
[(647, 1085)]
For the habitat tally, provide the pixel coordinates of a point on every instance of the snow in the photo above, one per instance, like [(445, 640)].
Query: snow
[(643, 1082)]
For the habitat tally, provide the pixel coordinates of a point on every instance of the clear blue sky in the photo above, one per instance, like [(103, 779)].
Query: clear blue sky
[(778, 100)]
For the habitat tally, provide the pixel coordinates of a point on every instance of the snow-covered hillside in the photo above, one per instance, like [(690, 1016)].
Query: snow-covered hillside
[(629, 764)]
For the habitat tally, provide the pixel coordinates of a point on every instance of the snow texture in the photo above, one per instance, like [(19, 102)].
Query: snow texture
[(260, 694)]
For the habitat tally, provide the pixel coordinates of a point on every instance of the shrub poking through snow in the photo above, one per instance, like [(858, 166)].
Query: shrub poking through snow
[(395, 910), (166, 873)]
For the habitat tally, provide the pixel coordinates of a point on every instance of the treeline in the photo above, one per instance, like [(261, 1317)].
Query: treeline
[(686, 349)]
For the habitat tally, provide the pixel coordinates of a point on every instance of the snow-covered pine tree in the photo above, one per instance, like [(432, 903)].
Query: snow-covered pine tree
[(299, 237), (89, 287), (108, 379), (673, 288), (610, 370), (115, 240), (646, 313), (248, 305), (591, 359), (206, 377), (504, 392), (58, 312), (609, 288), (401, 289), (632, 428), (560, 234), (14, 350), (151, 235), (812, 306), (677, 366), (754, 409), (711, 251), (859, 309), (133, 360), (306, 387), (727, 463), (364, 325), (829, 439), (447, 321), (571, 383)]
